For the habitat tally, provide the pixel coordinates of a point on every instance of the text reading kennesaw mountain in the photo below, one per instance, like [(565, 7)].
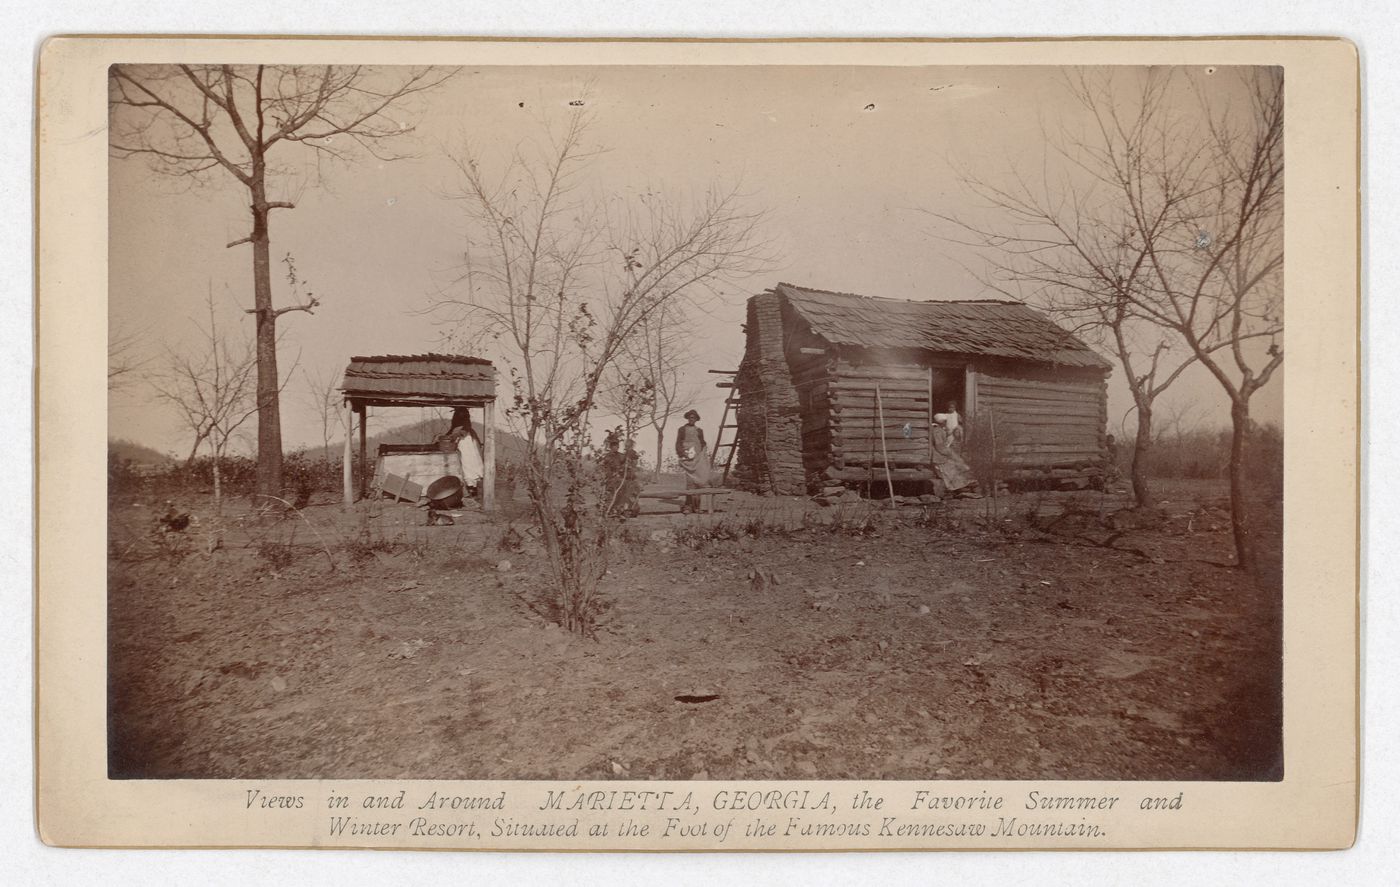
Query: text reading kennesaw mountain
[(726, 815)]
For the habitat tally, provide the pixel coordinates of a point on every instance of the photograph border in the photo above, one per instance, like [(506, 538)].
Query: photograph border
[(77, 807)]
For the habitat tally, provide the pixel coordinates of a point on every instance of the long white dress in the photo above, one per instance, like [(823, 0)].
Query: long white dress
[(473, 465)]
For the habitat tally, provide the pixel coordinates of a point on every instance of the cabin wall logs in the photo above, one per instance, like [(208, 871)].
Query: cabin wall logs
[(1051, 425), (1048, 425), (843, 432)]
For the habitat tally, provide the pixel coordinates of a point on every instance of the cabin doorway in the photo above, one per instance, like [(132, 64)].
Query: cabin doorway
[(947, 387)]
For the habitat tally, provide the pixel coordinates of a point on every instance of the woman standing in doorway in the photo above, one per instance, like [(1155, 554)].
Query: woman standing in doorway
[(694, 459)]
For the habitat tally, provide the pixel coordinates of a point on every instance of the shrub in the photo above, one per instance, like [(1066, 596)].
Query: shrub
[(277, 554), (303, 474), (1204, 454)]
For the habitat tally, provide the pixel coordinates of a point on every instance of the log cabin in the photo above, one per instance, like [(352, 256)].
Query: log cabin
[(837, 388)]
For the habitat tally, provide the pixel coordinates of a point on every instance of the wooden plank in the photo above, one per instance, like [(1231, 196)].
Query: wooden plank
[(867, 386), (1063, 385), (399, 487), (929, 400), (881, 373), (1049, 422), (903, 457), (990, 381), (427, 400), (862, 401), (1047, 431), (364, 457), (1012, 385), (679, 493), (861, 446), (488, 457), (884, 447), (1061, 419), (1030, 452), (1082, 443), (1027, 397), (905, 413), (1027, 404), (847, 423), (1086, 454), (347, 474), (1006, 411), (898, 400), (894, 417), (893, 428), (895, 465), (862, 442), (1083, 420), (861, 474), (868, 383), (895, 434), (862, 418)]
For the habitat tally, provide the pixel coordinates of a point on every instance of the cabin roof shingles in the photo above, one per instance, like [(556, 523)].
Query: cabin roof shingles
[(989, 328), (446, 377)]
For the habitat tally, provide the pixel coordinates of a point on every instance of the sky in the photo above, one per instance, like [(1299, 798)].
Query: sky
[(850, 163)]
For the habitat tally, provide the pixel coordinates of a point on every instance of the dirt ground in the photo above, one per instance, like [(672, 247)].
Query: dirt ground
[(925, 644)]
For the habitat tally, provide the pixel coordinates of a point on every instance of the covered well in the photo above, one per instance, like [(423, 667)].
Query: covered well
[(441, 380)]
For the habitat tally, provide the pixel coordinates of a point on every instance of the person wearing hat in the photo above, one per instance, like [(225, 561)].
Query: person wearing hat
[(694, 459)]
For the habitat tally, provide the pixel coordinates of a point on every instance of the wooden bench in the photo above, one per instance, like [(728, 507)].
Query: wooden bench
[(707, 495)]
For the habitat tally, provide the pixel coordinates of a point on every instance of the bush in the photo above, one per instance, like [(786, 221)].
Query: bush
[(1204, 454), (302, 475)]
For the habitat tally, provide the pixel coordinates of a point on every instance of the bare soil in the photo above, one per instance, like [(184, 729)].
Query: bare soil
[(922, 644)]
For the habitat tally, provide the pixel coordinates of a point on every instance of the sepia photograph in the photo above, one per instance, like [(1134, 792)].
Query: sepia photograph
[(667, 422)]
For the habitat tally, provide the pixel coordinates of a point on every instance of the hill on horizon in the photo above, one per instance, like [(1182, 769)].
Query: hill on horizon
[(136, 453), (509, 447)]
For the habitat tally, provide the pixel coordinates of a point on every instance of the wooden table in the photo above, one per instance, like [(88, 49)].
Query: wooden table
[(707, 495)]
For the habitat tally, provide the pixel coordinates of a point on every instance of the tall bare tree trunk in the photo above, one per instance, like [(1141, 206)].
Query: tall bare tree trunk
[(218, 485), (660, 448), (269, 412), (1142, 444), (1239, 503)]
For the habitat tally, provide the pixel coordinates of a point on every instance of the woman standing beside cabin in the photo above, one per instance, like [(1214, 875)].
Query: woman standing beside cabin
[(695, 462), (947, 436)]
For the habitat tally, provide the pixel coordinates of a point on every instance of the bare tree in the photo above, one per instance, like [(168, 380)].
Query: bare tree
[(1160, 234), (124, 360), (210, 384), (324, 399), (654, 358), (1221, 288), (560, 288), (243, 122), (1079, 237)]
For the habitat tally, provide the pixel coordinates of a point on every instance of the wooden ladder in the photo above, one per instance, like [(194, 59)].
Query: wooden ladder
[(731, 408)]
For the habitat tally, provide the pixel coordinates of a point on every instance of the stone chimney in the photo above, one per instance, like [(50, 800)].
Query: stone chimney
[(770, 421)]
